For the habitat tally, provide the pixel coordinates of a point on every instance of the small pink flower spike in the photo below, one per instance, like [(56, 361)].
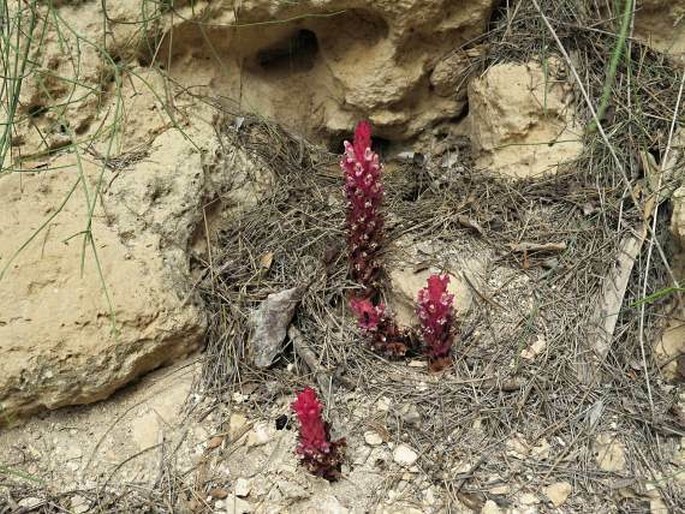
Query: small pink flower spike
[(368, 315), (317, 452), (436, 315), (380, 329)]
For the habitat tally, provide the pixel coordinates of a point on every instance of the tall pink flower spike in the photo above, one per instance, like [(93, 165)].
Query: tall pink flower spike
[(317, 452), (436, 315), (364, 220)]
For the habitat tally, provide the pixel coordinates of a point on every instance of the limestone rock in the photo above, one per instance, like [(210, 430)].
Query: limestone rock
[(372, 438), (659, 23), (558, 492), (57, 343), (490, 507), (609, 453), (327, 63), (242, 487), (237, 506), (521, 120), (404, 455)]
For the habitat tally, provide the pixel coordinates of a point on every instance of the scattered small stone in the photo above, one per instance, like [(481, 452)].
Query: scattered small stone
[(610, 454), (558, 492), (416, 363), (534, 349), (293, 491), (383, 404), (410, 415), (259, 436), (528, 499), (237, 423), (372, 438), (330, 505), (270, 325), (541, 450), (517, 447), (490, 507), (237, 506), (404, 455), (219, 504), (429, 496), (79, 504), (29, 502), (242, 487)]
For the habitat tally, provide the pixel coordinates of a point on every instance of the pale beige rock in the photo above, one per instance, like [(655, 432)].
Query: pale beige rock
[(660, 24), (609, 453), (327, 63), (537, 347), (237, 505), (670, 349), (404, 455), (521, 120), (490, 507), (558, 492), (528, 499), (372, 438), (56, 339), (242, 487)]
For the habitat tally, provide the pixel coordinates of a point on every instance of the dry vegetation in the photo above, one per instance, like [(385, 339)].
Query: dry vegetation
[(590, 212)]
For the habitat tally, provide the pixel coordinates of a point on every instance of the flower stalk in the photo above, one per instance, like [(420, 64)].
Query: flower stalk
[(436, 314), (316, 451), (380, 329), (364, 219)]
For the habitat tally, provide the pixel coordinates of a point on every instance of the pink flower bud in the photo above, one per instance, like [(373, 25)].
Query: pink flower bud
[(437, 316), (318, 453)]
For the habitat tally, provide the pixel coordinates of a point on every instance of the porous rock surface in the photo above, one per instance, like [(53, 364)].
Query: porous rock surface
[(60, 343), (522, 119), (320, 65), (661, 24)]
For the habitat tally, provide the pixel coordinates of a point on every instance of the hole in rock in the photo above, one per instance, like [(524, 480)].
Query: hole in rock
[(380, 145), (295, 54), (36, 110)]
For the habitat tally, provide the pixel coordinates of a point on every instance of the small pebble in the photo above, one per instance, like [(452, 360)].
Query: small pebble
[(373, 438), (404, 455)]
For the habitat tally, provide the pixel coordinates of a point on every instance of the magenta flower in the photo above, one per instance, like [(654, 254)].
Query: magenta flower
[(436, 315), (369, 316), (364, 194), (317, 452), (380, 329)]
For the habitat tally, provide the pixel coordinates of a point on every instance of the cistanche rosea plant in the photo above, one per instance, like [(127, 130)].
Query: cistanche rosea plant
[(382, 332), (316, 451), (364, 219), (436, 314)]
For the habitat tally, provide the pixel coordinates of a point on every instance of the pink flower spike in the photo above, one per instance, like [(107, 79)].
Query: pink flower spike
[(318, 453), (436, 314), (368, 315), (364, 219), (362, 139)]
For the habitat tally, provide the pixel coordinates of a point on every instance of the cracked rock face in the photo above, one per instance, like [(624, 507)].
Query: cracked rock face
[(319, 66), (522, 120), (661, 24)]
